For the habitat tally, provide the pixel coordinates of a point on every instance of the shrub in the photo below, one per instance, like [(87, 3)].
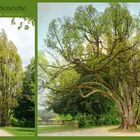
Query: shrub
[(14, 122), (85, 120), (108, 119), (89, 120)]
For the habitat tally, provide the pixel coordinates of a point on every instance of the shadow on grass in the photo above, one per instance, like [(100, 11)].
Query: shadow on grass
[(23, 129)]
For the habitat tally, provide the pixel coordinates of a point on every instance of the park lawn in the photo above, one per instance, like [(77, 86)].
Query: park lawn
[(19, 131), (62, 128), (58, 128), (55, 128)]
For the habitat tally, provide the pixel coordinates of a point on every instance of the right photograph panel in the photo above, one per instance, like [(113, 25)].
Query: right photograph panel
[(88, 69)]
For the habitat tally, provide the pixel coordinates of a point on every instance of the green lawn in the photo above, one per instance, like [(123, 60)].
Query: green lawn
[(62, 128), (19, 131), (55, 128)]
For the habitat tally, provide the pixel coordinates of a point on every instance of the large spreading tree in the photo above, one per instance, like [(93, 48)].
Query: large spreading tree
[(104, 45), (10, 78)]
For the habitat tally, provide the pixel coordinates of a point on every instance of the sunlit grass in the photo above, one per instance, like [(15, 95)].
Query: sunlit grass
[(63, 128), (19, 131), (55, 128)]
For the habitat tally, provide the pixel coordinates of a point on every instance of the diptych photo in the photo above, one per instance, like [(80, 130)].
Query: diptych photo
[(88, 69), (69, 69)]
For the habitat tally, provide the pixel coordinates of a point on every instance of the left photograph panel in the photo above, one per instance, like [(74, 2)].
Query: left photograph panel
[(17, 77)]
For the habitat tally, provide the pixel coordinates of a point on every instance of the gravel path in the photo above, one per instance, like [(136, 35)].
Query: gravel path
[(100, 131), (4, 133)]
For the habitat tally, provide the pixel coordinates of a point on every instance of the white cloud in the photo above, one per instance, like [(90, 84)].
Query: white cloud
[(23, 39)]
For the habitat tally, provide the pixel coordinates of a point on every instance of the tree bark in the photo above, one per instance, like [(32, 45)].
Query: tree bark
[(128, 119), (128, 123)]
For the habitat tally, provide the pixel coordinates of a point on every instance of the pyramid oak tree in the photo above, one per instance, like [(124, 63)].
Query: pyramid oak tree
[(10, 77)]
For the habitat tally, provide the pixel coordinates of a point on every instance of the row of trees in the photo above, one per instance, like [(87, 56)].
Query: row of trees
[(96, 53), (16, 86)]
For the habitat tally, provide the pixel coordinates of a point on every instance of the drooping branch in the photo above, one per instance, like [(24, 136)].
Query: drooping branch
[(106, 94)]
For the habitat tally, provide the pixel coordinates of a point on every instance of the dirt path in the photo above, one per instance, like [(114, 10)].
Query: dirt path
[(4, 133), (100, 131)]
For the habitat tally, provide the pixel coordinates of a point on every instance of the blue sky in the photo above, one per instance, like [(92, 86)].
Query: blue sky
[(49, 11), (23, 39)]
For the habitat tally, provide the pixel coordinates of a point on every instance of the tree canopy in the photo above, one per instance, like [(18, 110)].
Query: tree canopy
[(104, 45)]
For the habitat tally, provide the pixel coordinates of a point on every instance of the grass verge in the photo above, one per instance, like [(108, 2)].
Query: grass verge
[(19, 131)]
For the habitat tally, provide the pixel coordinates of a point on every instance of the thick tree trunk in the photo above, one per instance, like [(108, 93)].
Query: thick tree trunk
[(128, 116), (128, 122)]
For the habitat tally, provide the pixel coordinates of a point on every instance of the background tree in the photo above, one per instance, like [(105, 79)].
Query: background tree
[(10, 78), (64, 101), (25, 111), (106, 46)]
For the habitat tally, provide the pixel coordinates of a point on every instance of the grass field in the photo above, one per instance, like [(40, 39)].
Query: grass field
[(19, 131), (55, 128), (63, 128)]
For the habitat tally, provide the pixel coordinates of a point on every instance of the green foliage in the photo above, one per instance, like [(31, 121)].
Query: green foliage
[(102, 49), (63, 117), (96, 107), (16, 92), (24, 23), (101, 111), (85, 120), (14, 122), (108, 119), (25, 111), (10, 78)]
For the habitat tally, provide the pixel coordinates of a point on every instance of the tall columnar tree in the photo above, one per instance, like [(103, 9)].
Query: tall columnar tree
[(106, 46), (10, 78), (25, 110)]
